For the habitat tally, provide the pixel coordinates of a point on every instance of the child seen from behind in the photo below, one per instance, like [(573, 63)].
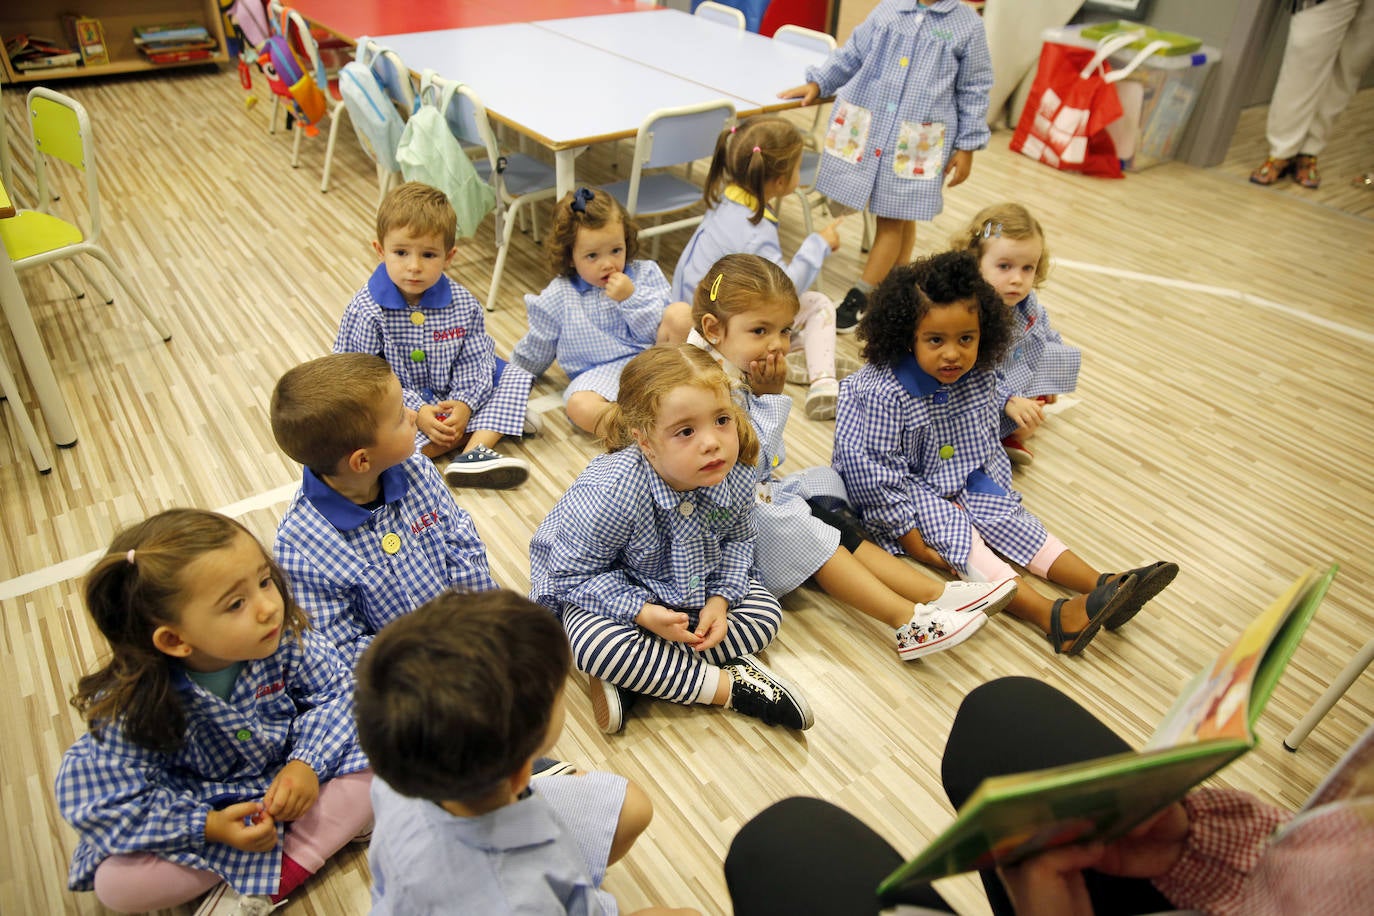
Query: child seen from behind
[(602, 307), (430, 331), (646, 558), (221, 752), (754, 163), (916, 444), (743, 312), (1038, 366)]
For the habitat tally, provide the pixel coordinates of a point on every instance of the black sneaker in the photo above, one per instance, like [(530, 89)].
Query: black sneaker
[(850, 311), (758, 692)]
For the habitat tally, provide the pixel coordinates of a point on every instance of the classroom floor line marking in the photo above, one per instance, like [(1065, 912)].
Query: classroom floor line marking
[(1224, 291), (78, 566)]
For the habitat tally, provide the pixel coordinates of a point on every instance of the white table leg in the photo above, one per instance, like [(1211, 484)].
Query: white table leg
[(564, 175), (34, 357)]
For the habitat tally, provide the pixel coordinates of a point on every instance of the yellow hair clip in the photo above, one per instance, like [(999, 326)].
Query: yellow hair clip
[(715, 287)]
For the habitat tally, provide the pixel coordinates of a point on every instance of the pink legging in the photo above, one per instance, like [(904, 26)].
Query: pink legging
[(986, 566), (815, 325), (138, 882)]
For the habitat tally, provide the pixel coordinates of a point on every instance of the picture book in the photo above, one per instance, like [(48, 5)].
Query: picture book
[(1211, 723)]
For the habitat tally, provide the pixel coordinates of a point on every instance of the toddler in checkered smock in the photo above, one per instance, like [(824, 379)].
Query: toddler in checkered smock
[(222, 754)]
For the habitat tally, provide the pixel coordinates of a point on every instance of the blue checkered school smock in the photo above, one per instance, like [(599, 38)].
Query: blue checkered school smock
[(1038, 361), (905, 67), (582, 327), (918, 455), (348, 572), (439, 349), (123, 798)]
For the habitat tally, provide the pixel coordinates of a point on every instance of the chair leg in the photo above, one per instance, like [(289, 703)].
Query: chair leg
[(93, 282), (501, 252), (335, 119), (272, 115), (1333, 693), (77, 291), (296, 147), (806, 211), (123, 280), (21, 416)]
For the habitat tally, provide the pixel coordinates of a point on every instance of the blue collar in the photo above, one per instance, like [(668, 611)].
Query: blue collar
[(344, 514), (385, 293), (914, 379), (582, 286)]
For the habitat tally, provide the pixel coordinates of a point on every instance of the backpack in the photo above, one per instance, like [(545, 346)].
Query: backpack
[(430, 153), (289, 79), (375, 118)]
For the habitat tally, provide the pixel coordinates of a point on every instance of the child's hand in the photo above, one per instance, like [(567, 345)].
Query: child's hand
[(455, 415), (292, 792), (245, 826), (831, 234), (619, 287), (712, 624), (808, 93), (917, 548), (670, 625), (1026, 413), (769, 374), (958, 166), (438, 431)]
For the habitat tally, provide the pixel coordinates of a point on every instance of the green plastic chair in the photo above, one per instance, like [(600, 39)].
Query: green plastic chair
[(61, 130)]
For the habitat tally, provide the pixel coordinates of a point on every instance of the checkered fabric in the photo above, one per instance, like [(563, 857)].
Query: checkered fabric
[(123, 798), (907, 64), (915, 454), (580, 326), (1038, 361)]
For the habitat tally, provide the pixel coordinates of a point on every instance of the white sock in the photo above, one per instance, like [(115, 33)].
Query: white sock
[(710, 680)]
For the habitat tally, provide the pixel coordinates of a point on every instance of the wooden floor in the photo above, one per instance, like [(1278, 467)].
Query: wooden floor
[(1223, 420)]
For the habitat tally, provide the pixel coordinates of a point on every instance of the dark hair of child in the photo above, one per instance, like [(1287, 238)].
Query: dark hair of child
[(454, 697), (751, 154), (585, 208), (325, 409), (738, 282), (896, 307), (130, 598)]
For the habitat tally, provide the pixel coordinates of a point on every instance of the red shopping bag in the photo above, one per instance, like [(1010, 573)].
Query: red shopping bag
[(1064, 123)]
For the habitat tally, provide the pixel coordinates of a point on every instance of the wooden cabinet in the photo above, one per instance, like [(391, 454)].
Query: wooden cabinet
[(117, 18)]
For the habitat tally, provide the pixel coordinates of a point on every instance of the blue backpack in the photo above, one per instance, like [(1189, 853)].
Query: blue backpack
[(375, 117)]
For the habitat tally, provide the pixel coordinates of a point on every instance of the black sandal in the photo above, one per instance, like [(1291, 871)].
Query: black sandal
[(1102, 602), (1150, 581)]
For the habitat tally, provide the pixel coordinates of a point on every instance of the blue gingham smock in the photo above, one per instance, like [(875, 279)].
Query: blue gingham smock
[(726, 230), (439, 350), (336, 554), (904, 66), (582, 327), (915, 454), (620, 538), (123, 798), (1038, 361)]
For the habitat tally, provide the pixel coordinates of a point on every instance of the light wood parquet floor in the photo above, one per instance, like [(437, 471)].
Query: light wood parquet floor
[(1227, 427)]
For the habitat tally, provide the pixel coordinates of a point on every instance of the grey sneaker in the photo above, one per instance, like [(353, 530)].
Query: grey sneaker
[(799, 374), (482, 467), (534, 424), (758, 692), (223, 900)]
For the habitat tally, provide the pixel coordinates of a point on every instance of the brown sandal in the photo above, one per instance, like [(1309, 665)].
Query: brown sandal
[(1271, 171), (1305, 171)]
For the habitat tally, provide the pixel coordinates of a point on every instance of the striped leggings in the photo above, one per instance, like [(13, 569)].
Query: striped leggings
[(631, 657)]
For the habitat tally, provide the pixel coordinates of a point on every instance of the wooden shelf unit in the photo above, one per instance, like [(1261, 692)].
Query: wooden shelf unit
[(117, 18)]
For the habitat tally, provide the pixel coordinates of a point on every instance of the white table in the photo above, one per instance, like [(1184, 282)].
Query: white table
[(569, 92)]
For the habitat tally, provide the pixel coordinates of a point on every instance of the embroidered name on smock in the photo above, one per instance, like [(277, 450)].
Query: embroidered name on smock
[(266, 690), (426, 520), (450, 334)]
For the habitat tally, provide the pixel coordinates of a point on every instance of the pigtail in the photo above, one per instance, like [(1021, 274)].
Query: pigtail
[(718, 175), (613, 430), (748, 439), (755, 174)]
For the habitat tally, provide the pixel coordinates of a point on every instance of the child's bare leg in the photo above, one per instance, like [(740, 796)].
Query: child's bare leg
[(487, 437), (1070, 571), (586, 409), (635, 815), (430, 450), (893, 240), (846, 578), (1033, 607), (675, 324), (898, 575)]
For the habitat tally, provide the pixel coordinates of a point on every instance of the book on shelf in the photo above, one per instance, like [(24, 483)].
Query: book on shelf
[(1010, 818), (178, 57), (34, 52), (171, 33), (88, 36)]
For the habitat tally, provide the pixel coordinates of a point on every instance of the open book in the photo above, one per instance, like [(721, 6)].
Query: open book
[(1009, 818)]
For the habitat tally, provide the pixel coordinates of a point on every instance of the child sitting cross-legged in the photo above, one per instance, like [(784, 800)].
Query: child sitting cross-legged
[(430, 330), (454, 703)]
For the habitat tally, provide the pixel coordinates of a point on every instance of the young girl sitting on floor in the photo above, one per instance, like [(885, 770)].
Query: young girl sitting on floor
[(221, 738), (1038, 366), (916, 445), (743, 313), (759, 161), (601, 308), (646, 559)]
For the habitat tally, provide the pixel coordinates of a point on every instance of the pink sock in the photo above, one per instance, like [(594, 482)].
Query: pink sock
[(293, 875)]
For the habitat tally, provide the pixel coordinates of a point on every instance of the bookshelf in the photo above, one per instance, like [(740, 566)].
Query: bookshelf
[(118, 18)]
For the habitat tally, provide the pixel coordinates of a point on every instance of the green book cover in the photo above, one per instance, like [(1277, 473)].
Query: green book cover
[(1009, 818)]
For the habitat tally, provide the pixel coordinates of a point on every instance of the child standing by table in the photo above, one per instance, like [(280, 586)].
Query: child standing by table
[(759, 161), (916, 445), (430, 331), (646, 559), (601, 308), (221, 740), (912, 89), (1038, 366), (743, 311)]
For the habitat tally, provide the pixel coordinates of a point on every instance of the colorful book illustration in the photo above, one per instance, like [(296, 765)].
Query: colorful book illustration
[(1009, 818), (33, 52)]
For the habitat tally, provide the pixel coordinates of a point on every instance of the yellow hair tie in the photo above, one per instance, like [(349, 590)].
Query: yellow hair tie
[(715, 287)]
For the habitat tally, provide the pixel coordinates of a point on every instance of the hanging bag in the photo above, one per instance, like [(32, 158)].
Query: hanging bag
[(430, 153), (290, 78), (374, 116)]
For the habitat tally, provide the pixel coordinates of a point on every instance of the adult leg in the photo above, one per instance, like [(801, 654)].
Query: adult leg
[(1017, 724), (1314, 39), (1352, 60)]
